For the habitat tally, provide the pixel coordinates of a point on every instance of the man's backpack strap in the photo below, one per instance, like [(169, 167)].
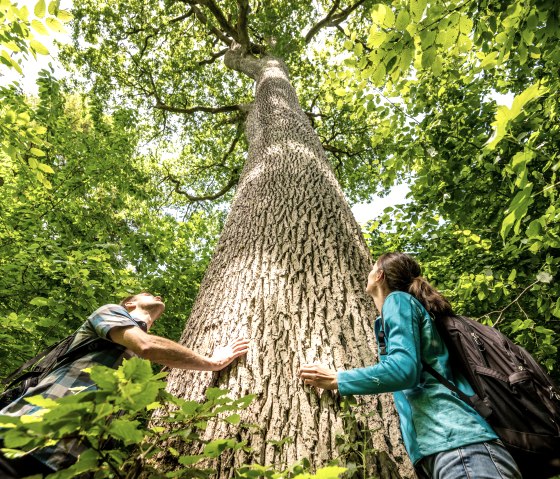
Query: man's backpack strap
[(474, 401), (15, 375), (21, 374)]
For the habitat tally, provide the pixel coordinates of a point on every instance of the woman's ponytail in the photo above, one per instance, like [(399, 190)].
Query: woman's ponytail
[(403, 273), (435, 303)]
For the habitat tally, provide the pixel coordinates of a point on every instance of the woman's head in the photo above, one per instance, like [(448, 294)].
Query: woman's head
[(400, 272)]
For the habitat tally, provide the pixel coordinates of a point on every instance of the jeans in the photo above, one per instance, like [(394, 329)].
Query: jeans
[(483, 460)]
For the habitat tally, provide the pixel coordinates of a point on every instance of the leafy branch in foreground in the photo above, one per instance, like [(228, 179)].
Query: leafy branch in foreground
[(113, 422)]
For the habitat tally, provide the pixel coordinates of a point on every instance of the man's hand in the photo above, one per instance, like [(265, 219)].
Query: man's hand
[(319, 376), (224, 355)]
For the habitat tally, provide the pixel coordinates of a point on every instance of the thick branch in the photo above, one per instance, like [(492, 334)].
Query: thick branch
[(177, 188), (242, 21), (213, 57), (332, 19), (221, 19), (195, 109), (202, 18), (238, 59)]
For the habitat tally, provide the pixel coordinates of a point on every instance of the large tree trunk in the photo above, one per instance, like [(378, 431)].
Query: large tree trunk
[(289, 273)]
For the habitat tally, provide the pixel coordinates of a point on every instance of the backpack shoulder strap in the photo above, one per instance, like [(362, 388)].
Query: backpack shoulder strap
[(34, 360)]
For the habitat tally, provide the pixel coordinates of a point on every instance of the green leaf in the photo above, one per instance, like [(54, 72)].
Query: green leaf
[(53, 5), (331, 472), (126, 431), (512, 275), (13, 454), (40, 9), (532, 92), (215, 393), (216, 447), (39, 27), (417, 8), (39, 301), (233, 419), (534, 230), (437, 66), (517, 210), (376, 38), (490, 60), (42, 401), (389, 19), (403, 19), (37, 152), (428, 57), (190, 460), (465, 24), (64, 16), (38, 47), (44, 167), (378, 13), (55, 25)]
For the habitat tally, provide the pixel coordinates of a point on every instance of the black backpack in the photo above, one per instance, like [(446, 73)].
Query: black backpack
[(38, 367), (516, 397)]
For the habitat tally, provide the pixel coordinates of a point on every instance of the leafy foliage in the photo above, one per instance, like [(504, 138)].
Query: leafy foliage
[(483, 215), (113, 423), (100, 233)]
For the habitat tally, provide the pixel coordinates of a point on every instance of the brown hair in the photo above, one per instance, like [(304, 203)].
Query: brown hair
[(403, 273), (127, 299)]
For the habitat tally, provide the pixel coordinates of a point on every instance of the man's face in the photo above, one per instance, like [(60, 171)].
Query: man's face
[(148, 302)]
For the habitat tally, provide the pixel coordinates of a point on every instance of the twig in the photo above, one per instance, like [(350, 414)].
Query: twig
[(503, 310), (332, 19)]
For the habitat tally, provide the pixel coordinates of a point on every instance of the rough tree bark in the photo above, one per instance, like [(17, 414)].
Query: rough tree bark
[(289, 273)]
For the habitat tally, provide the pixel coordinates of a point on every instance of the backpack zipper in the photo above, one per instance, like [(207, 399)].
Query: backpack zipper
[(481, 347)]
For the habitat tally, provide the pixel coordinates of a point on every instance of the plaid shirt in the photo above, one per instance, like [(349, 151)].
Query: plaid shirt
[(60, 381)]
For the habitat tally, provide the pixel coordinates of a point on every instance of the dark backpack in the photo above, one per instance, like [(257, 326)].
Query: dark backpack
[(516, 397), (38, 367)]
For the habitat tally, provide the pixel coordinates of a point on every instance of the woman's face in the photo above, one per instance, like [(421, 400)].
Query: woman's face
[(374, 277)]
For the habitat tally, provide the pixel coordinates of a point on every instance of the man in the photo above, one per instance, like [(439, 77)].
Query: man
[(125, 328)]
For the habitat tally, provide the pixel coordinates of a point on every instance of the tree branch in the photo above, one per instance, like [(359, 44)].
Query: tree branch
[(192, 198), (202, 18), (503, 310), (206, 109), (242, 21), (221, 19), (213, 57), (332, 19)]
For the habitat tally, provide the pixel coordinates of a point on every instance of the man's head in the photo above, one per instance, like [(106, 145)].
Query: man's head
[(144, 302)]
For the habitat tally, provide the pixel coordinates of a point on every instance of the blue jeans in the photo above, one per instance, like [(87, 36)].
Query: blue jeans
[(483, 460)]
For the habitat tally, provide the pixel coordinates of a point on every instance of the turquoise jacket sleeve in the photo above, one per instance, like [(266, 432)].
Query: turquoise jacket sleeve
[(400, 368)]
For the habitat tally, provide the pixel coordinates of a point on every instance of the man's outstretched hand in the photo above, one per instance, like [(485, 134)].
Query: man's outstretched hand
[(225, 355)]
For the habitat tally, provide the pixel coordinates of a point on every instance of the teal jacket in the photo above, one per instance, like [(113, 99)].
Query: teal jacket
[(433, 419)]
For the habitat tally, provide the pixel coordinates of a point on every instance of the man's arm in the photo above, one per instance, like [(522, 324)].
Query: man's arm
[(172, 354)]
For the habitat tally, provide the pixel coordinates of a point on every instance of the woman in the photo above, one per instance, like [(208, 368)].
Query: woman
[(444, 437)]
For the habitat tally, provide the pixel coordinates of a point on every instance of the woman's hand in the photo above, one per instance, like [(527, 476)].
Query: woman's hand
[(319, 376)]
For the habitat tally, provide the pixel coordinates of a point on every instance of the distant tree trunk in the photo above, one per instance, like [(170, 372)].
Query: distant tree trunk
[(289, 272)]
